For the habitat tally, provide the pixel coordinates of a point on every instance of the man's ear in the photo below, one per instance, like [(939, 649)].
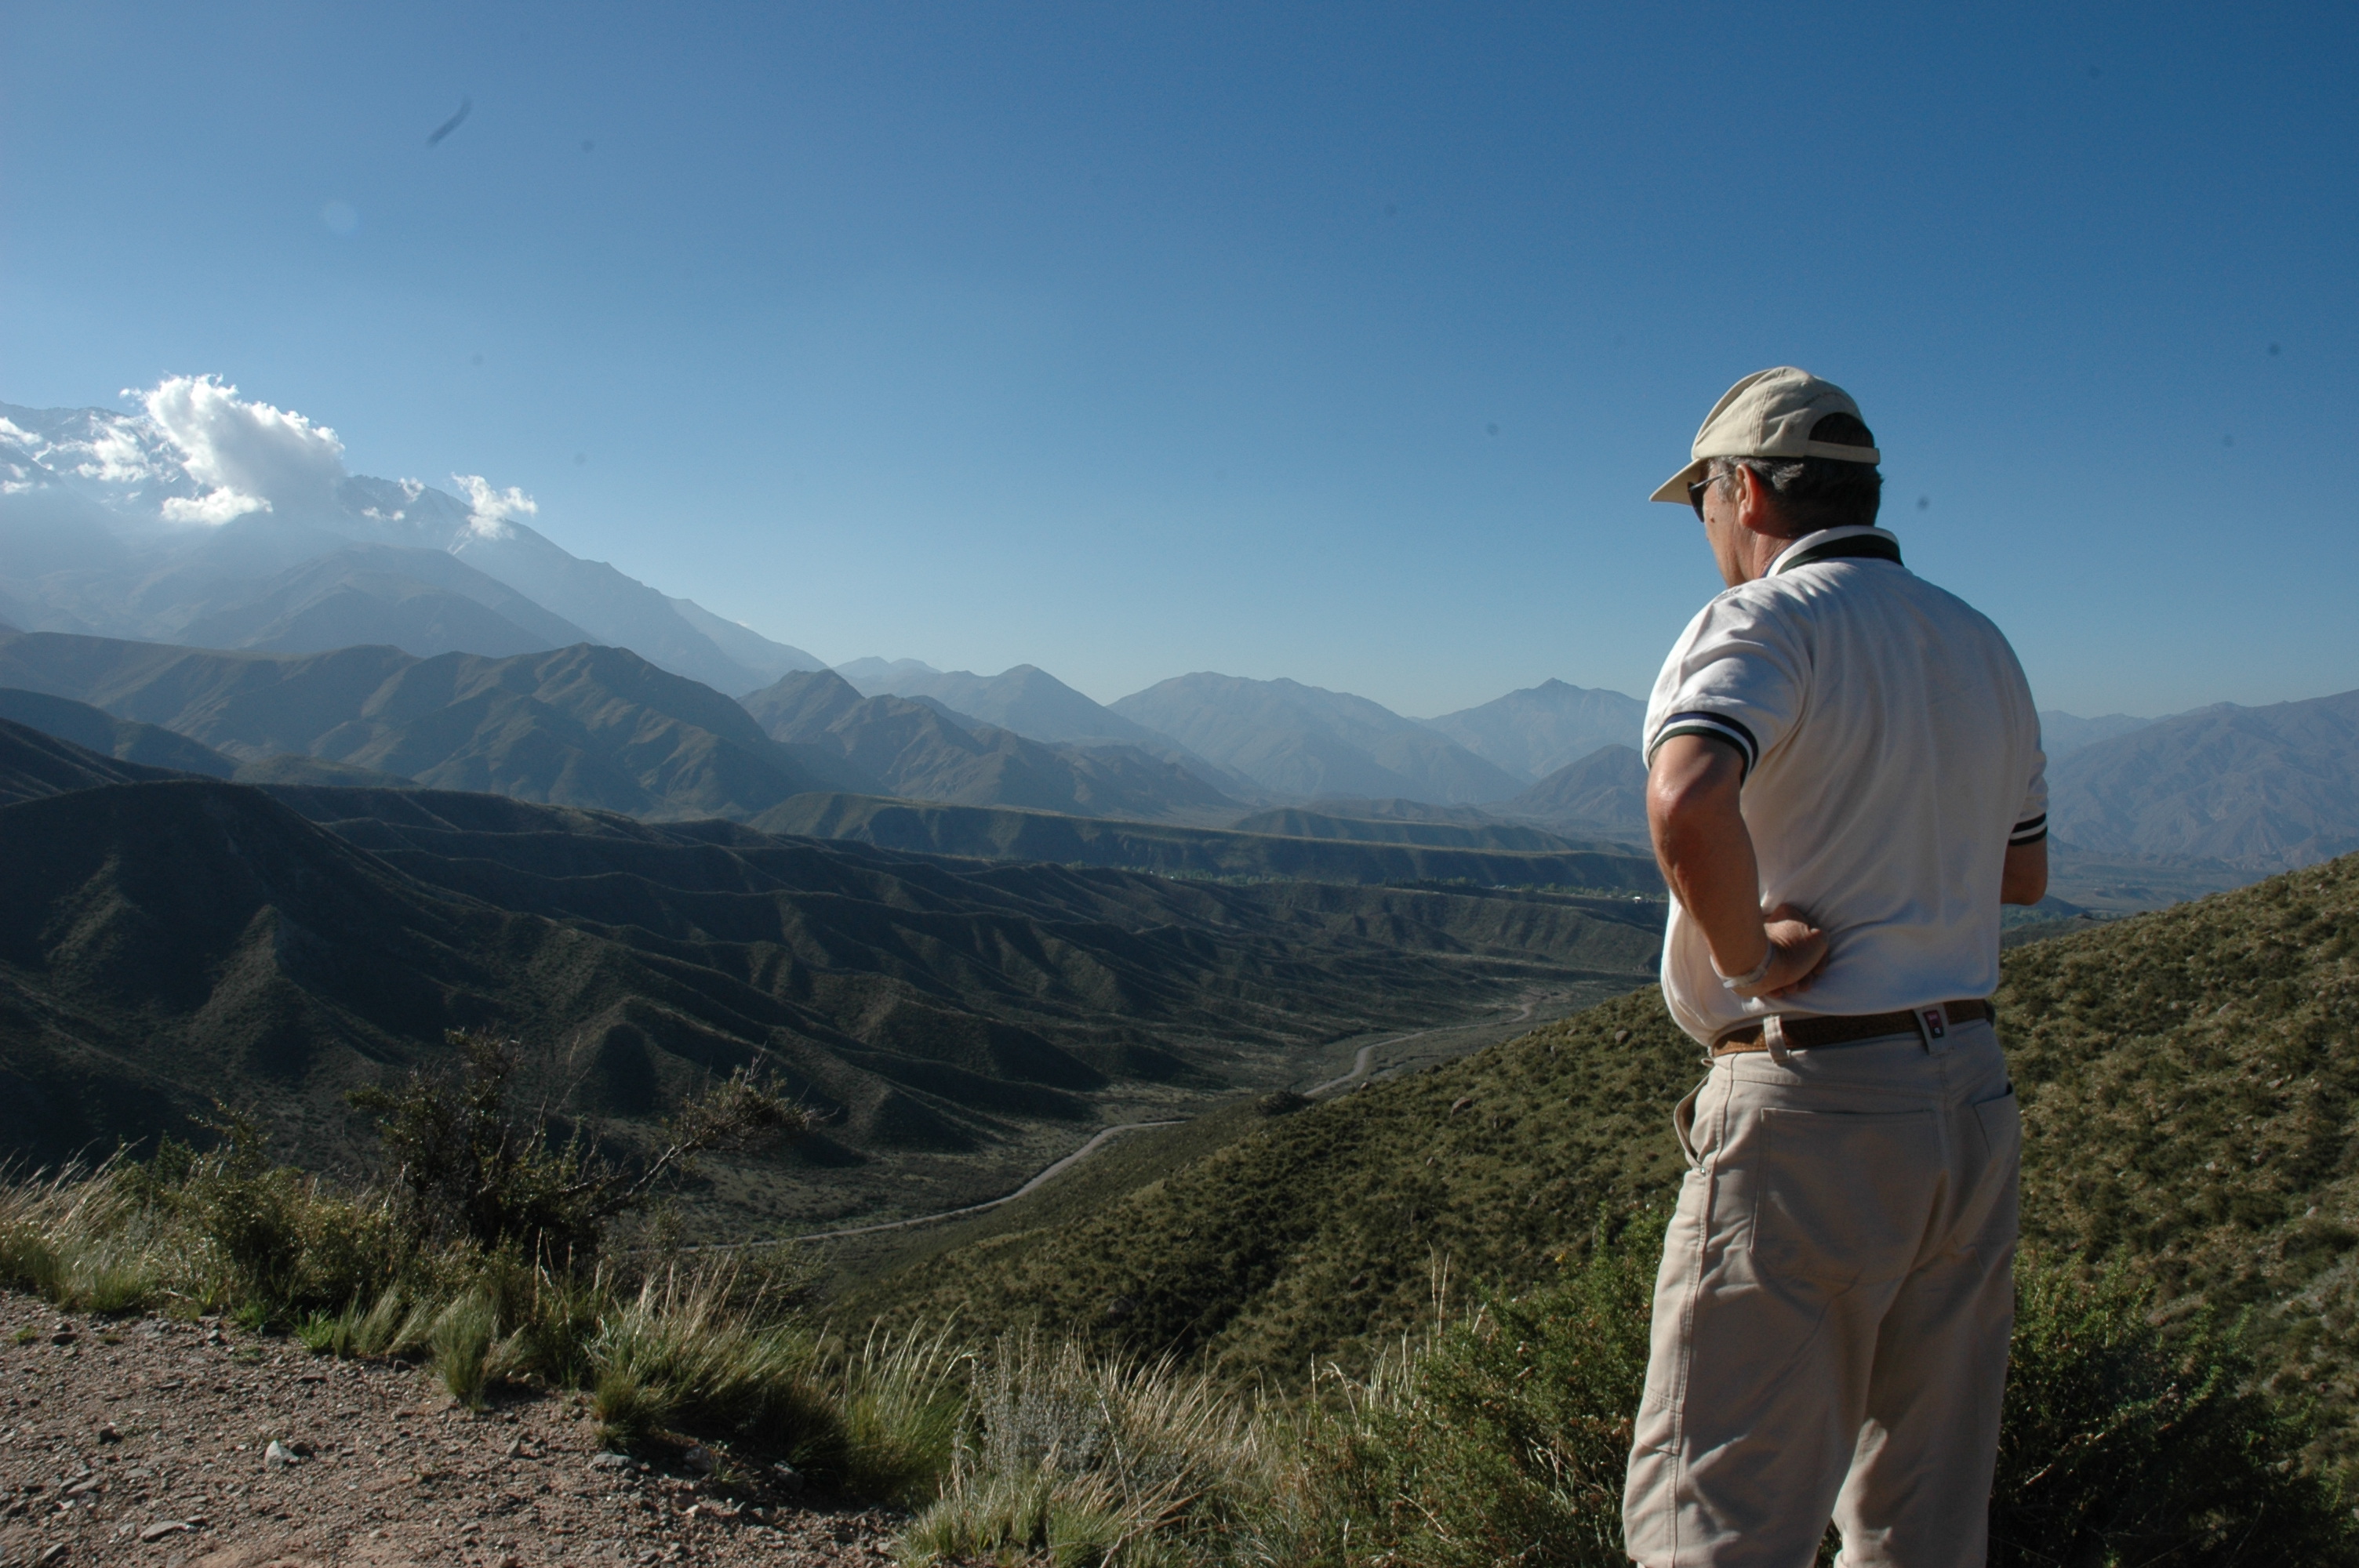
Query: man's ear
[(1756, 506)]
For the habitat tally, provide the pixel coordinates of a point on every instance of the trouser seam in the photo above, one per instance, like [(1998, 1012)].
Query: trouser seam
[(1717, 1135)]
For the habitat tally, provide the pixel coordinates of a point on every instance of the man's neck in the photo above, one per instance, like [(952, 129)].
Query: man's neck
[(1751, 558)]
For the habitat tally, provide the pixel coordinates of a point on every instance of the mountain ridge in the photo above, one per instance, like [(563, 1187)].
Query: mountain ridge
[(1304, 741), (1539, 730), (98, 540), (2264, 789), (588, 725), (917, 751)]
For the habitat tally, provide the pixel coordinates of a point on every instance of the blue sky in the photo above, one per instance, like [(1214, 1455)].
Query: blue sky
[(1135, 340)]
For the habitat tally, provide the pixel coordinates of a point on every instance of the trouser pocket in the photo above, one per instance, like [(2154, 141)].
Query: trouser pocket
[(1845, 1197), (1987, 1189), (1683, 1116)]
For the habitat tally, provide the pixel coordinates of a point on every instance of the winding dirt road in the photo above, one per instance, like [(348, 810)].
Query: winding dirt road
[(1363, 1060), (1046, 1174)]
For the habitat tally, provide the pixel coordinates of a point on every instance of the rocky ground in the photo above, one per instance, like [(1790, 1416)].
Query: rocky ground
[(193, 1445)]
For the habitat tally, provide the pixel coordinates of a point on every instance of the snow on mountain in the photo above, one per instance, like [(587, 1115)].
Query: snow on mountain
[(186, 517)]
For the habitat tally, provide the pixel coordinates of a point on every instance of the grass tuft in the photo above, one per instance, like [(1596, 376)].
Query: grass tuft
[(462, 1338), (1095, 1460)]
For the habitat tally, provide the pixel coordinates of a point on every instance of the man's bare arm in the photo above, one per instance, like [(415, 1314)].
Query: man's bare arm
[(2025, 880), (1706, 854)]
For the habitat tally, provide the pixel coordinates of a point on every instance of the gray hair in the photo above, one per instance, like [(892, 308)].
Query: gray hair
[(1819, 492)]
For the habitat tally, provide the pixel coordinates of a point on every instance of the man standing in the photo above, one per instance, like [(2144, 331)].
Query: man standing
[(1844, 784)]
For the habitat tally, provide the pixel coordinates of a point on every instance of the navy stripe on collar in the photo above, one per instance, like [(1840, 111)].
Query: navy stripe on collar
[(1878, 546)]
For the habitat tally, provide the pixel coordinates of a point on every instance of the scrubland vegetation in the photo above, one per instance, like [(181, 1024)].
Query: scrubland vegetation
[(1490, 1435), (2177, 1393)]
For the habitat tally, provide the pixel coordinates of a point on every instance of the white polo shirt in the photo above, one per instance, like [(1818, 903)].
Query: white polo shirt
[(1892, 754)]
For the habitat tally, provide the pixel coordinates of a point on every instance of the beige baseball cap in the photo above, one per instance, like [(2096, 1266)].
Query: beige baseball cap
[(1769, 414)]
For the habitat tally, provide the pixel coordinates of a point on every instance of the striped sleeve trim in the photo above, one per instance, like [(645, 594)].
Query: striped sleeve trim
[(2030, 830), (1716, 725)]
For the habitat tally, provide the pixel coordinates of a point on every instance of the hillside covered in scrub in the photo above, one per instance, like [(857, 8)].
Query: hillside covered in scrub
[(168, 941), (2187, 1080)]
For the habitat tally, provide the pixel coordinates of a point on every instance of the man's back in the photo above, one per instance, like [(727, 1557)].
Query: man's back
[(1843, 785), (1892, 749)]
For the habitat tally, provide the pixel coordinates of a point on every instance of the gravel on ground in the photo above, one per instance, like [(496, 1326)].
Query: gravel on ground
[(191, 1444)]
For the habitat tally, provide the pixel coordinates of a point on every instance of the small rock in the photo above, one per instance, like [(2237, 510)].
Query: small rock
[(700, 1459), (54, 1554), (277, 1456), (789, 1479), (1461, 1103), (610, 1462), (1621, 1037), (162, 1528), (61, 1336), (108, 1434)]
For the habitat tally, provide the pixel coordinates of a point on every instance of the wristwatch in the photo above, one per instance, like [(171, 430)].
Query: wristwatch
[(1759, 972)]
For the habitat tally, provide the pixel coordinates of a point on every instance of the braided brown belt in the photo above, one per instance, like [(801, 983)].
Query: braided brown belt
[(1803, 1032)]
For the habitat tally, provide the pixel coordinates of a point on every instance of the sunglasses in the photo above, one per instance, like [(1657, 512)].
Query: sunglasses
[(1696, 490)]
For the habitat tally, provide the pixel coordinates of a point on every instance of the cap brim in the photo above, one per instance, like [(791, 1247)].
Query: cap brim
[(1675, 489)]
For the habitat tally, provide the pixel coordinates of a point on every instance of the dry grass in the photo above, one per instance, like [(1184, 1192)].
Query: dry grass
[(1098, 1460)]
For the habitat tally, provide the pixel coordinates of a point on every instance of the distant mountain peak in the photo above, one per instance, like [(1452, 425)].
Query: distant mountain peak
[(172, 524), (1537, 731), (1303, 740)]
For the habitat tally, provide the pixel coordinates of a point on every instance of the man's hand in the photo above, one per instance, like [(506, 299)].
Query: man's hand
[(1802, 954), (1706, 854)]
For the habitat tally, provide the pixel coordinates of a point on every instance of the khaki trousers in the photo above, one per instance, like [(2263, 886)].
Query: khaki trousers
[(1833, 1314)]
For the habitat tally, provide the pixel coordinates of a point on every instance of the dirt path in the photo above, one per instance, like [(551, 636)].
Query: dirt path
[(1047, 1173), (1366, 1055), (145, 1442), (1364, 1059)]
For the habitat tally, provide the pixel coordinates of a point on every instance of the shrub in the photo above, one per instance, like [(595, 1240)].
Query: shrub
[(2125, 1443), (470, 1166)]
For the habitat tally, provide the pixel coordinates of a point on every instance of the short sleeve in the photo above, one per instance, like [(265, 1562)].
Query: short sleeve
[(2031, 816), (1739, 674)]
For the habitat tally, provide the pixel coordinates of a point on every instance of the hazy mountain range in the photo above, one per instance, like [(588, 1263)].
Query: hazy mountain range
[(580, 726), (2247, 790), (368, 630), (202, 521), (921, 751), (2263, 789)]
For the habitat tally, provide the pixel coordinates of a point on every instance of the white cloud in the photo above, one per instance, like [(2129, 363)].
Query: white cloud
[(488, 509), (214, 506), (113, 455), (247, 457)]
